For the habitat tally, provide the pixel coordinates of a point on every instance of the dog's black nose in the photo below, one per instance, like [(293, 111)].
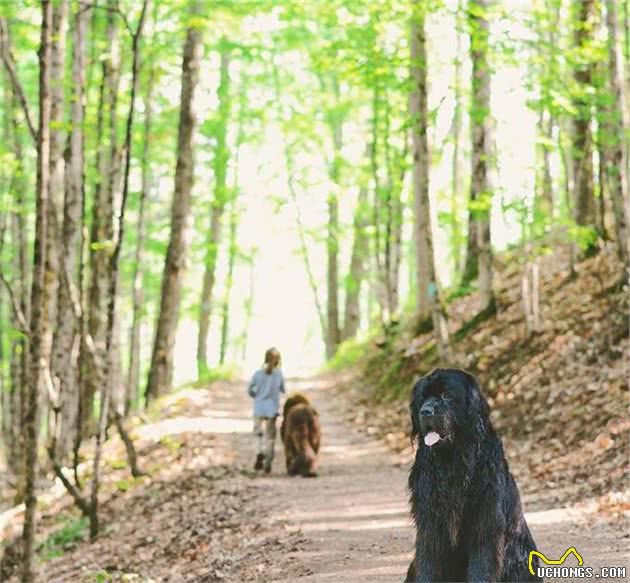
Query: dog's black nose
[(427, 410)]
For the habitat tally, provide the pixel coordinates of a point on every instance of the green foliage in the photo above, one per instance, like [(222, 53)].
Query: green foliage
[(584, 235), (72, 531), (460, 292), (224, 372), (349, 354), (391, 383)]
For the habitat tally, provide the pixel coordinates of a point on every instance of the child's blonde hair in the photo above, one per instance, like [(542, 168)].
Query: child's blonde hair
[(272, 359)]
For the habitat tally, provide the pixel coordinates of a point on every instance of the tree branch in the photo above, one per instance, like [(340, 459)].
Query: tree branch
[(17, 311), (9, 65), (78, 498)]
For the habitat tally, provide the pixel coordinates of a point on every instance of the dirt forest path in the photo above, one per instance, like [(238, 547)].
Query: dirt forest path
[(202, 515), (353, 519)]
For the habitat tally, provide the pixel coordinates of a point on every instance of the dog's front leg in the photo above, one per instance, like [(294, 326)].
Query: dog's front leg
[(484, 562), (425, 567)]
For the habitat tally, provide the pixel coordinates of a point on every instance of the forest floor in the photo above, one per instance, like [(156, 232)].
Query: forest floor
[(203, 515)]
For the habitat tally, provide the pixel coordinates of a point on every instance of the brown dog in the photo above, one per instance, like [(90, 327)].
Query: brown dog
[(301, 435)]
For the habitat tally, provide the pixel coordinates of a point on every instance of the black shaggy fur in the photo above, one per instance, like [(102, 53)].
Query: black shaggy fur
[(464, 501)]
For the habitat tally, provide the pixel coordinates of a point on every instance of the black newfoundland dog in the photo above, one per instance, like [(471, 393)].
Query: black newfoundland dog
[(464, 501)]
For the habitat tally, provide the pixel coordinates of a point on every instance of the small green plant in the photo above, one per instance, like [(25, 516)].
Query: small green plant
[(72, 531), (173, 445), (117, 464), (123, 485), (101, 577)]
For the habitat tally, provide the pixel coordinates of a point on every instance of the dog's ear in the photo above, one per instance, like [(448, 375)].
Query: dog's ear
[(414, 407), (477, 401)]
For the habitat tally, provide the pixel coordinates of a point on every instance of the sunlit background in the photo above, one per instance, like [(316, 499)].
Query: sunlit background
[(283, 311)]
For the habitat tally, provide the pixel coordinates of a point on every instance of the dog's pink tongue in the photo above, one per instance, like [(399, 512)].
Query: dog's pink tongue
[(431, 438)]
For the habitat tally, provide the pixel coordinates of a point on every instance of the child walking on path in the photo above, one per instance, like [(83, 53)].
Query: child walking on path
[(265, 388)]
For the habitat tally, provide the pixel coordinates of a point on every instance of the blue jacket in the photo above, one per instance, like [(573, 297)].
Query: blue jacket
[(265, 389)]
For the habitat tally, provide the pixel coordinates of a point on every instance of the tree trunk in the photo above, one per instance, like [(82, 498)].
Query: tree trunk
[(456, 186), (229, 280), (133, 382), (220, 167), (583, 197), (111, 331), (544, 185), (161, 372), (335, 123), (480, 193), (428, 302), (377, 285), (37, 331), (602, 162), (65, 347), (102, 231), (20, 267), (471, 264), (249, 303), (357, 270), (616, 127), (332, 249), (57, 135)]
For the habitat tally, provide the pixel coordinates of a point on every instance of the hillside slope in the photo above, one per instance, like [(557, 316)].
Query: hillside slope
[(559, 397)]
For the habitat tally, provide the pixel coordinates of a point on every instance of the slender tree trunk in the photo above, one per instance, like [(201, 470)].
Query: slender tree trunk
[(428, 298), (57, 138), (38, 296), (20, 267), (583, 197), (112, 296), (425, 277), (248, 304), (133, 382), (333, 334), (229, 280), (377, 286), (480, 191), (65, 345), (478, 29), (544, 186), (456, 179), (357, 270), (471, 264), (544, 202), (220, 166), (332, 250), (102, 232), (602, 162), (161, 372), (617, 126)]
